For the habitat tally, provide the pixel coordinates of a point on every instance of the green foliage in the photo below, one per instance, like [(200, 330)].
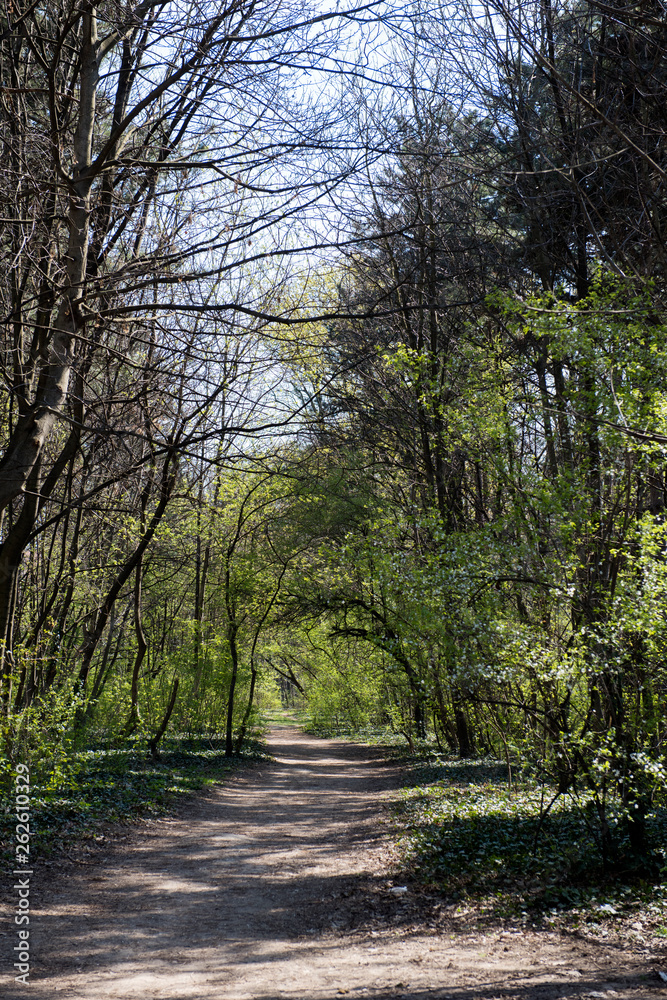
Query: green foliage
[(528, 623), (345, 692), (43, 736)]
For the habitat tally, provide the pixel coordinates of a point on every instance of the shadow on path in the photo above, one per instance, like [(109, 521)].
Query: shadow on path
[(274, 885)]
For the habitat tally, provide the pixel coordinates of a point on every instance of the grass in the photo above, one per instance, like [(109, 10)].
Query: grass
[(284, 716), (373, 734), (102, 785)]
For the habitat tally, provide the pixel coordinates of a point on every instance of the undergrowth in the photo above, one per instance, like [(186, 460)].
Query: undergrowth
[(480, 836), (102, 785), (363, 734)]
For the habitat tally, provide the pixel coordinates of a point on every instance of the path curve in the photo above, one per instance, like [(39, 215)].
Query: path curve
[(278, 885)]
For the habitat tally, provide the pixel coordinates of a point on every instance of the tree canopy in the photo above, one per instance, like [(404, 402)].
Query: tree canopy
[(342, 379)]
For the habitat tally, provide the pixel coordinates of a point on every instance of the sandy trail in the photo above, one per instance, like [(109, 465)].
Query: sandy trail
[(277, 885)]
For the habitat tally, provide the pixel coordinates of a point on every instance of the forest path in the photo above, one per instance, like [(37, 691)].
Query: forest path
[(277, 885)]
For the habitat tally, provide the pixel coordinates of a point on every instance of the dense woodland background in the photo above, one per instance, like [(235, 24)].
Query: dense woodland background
[(334, 369)]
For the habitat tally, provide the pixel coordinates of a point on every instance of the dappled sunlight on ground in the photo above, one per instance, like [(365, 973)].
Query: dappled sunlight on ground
[(279, 884)]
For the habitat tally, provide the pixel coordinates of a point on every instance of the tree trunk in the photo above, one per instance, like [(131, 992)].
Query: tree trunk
[(134, 716), (246, 717), (95, 634), (233, 651), (27, 441), (153, 744)]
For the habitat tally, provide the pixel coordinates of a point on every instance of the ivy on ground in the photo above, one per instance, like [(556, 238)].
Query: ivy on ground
[(482, 839), (111, 785)]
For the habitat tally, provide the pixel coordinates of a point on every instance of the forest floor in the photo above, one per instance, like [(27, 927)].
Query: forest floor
[(283, 883)]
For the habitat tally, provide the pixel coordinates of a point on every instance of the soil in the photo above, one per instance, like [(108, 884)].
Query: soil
[(283, 884)]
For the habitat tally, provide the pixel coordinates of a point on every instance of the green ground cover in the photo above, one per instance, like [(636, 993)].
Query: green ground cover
[(395, 742), (100, 785), (484, 840)]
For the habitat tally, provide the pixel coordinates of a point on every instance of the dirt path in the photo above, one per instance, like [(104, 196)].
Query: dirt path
[(278, 885)]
